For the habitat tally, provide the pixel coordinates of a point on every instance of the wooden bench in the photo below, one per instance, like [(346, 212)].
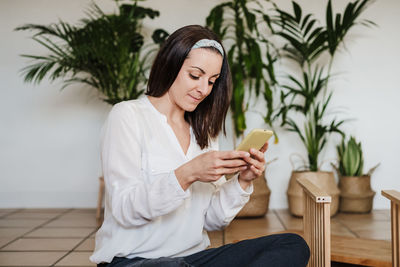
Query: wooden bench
[(360, 251), (351, 250), (316, 223), (394, 197)]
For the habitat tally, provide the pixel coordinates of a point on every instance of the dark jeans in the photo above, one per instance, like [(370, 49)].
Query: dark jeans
[(279, 250)]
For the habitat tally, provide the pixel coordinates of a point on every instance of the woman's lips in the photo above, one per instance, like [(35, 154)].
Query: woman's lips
[(195, 98)]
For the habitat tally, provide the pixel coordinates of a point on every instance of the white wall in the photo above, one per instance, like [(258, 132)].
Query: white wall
[(49, 149)]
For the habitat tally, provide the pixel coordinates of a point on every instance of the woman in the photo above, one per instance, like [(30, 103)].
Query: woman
[(164, 174)]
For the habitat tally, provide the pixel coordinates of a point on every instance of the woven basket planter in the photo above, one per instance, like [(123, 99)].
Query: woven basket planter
[(259, 200), (324, 180), (356, 195)]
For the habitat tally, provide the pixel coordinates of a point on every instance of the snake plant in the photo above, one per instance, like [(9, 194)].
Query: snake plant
[(351, 161)]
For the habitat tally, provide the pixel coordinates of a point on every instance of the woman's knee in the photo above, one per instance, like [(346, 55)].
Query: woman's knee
[(286, 243), (296, 246), (282, 250), (294, 240)]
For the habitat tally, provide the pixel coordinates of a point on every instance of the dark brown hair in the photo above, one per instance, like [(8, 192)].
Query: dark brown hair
[(208, 119)]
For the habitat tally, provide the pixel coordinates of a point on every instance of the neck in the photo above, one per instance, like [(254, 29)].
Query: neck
[(165, 105)]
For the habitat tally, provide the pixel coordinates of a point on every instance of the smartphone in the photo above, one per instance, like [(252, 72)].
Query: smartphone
[(255, 139)]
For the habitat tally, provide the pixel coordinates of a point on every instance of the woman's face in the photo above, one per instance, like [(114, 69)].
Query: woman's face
[(196, 78)]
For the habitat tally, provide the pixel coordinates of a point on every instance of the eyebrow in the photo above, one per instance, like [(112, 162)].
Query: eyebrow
[(202, 71)]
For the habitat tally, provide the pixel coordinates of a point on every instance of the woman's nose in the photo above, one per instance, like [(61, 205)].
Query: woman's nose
[(203, 87)]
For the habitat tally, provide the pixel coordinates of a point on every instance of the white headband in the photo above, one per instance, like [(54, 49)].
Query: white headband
[(208, 43)]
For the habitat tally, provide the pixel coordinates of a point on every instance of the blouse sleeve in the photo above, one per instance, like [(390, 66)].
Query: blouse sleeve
[(227, 200), (134, 200)]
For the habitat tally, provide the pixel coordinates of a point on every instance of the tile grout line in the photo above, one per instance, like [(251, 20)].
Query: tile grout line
[(280, 220), (34, 229), (348, 228), (34, 250), (48, 221), (66, 252), (50, 227), (29, 266), (69, 252), (10, 213), (53, 237), (72, 250)]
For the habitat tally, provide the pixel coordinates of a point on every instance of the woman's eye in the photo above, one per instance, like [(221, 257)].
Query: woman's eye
[(210, 83), (193, 77)]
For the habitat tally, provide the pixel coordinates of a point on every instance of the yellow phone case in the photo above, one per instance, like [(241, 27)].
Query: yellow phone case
[(255, 139)]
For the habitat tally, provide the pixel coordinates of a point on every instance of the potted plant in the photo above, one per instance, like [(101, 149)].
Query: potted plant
[(314, 136), (104, 51), (305, 97), (356, 194), (237, 26)]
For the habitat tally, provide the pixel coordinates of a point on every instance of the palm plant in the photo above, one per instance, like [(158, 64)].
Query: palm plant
[(316, 133), (237, 25), (105, 51), (305, 41)]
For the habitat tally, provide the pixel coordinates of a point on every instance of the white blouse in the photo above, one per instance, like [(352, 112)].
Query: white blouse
[(147, 213)]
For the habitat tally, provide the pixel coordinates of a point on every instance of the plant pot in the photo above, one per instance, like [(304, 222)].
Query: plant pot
[(356, 194), (259, 200), (324, 180)]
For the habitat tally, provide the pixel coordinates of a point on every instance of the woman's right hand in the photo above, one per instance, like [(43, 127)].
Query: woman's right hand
[(210, 166)]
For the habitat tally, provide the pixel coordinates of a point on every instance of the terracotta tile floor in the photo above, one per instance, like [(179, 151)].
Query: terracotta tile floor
[(65, 237)]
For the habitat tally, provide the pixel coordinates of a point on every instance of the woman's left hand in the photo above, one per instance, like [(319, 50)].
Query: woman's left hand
[(255, 167)]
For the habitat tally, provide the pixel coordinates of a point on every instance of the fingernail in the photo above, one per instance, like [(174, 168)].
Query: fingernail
[(247, 154)]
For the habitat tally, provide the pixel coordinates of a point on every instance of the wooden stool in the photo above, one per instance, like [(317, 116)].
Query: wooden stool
[(100, 197)]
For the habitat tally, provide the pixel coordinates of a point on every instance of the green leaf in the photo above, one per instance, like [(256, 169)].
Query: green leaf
[(304, 22), (159, 36), (297, 11), (350, 157), (106, 49)]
